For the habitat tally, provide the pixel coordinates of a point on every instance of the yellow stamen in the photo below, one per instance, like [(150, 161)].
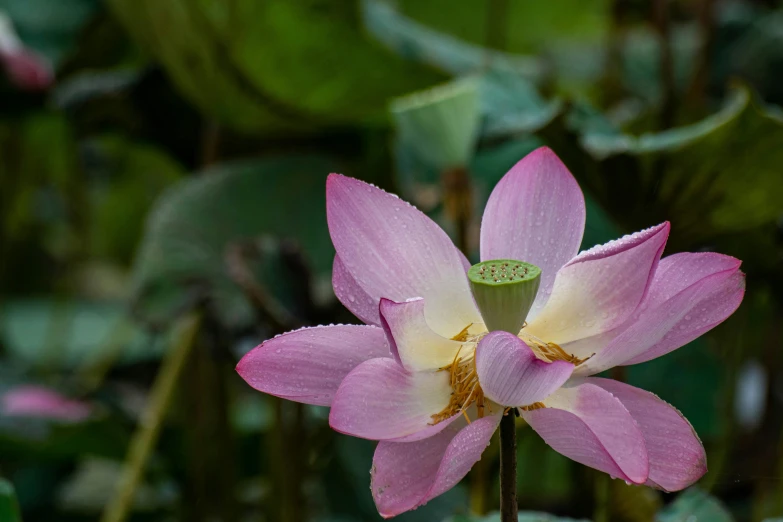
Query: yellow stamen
[(463, 335), (465, 387), (550, 352)]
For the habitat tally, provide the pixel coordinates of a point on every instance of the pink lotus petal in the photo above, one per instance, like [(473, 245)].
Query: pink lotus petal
[(510, 373), (27, 69), (586, 423), (41, 402), (412, 341), (308, 365), (392, 250), (690, 294), (380, 400), (536, 213), (406, 475), (353, 296), (600, 288), (677, 457)]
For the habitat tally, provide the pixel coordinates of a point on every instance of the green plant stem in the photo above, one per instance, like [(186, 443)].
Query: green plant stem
[(660, 16), (458, 201), (496, 27), (209, 441), (779, 496), (147, 433), (508, 469), (697, 91), (274, 446), (296, 445)]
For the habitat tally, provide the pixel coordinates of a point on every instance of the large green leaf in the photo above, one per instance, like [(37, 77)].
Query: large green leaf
[(71, 333), (193, 226), (93, 483), (418, 42), (694, 505), (524, 516), (510, 104), (458, 42), (135, 175), (264, 65), (577, 21), (715, 176)]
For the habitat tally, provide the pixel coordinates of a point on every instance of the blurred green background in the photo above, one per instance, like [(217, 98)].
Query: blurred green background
[(162, 212)]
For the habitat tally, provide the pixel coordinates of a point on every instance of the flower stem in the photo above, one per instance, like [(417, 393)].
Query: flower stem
[(508, 469), (151, 422), (458, 201), (661, 21)]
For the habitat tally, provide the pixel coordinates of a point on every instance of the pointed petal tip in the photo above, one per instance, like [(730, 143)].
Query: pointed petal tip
[(308, 365), (544, 151), (242, 366), (332, 180), (659, 233), (541, 155), (373, 228)]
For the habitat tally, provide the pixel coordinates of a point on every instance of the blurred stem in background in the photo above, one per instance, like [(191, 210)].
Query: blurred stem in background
[(211, 477), (662, 23), (496, 36), (731, 351), (458, 200), (602, 495), (612, 80), (151, 422), (285, 444), (210, 143), (287, 457), (697, 91)]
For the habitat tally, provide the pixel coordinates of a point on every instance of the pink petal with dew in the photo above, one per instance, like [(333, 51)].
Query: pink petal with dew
[(406, 475), (412, 341), (41, 402), (677, 457), (588, 424), (536, 213), (510, 373), (352, 295), (690, 294), (393, 250), (381, 400), (308, 365), (600, 288)]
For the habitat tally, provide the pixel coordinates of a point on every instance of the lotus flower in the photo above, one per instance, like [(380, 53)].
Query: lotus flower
[(40, 402), (426, 379)]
